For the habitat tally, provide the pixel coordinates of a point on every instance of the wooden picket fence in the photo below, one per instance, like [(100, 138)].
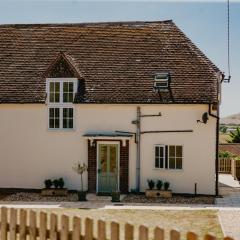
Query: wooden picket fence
[(225, 165), (19, 225)]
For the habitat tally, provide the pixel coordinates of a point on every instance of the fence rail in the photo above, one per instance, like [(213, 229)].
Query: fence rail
[(19, 225)]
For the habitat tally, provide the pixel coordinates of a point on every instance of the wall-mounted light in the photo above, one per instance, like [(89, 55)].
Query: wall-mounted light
[(204, 118)]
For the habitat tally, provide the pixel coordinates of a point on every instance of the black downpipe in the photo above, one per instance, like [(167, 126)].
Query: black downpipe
[(217, 143)]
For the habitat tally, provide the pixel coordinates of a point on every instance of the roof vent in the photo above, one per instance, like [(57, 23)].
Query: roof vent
[(162, 81)]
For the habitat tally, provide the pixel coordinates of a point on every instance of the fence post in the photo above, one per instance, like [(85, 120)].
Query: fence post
[(22, 224), (76, 234), (143, 233), (88, 229), (43, 226), (13, 224), (3, 235), (33, 226), (192, 236), (64, 227), (158, 234), (114, 231), (174, 235), (101, 230), (53, 226), (129, 232)]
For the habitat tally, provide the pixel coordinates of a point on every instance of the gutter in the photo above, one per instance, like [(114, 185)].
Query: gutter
[(217, 143)]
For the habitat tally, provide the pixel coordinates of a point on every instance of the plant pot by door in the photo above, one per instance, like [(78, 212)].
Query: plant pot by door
[(116, 196), (82, 196)]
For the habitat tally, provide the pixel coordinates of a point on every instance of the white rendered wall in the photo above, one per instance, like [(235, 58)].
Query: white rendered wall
[(30, 153)]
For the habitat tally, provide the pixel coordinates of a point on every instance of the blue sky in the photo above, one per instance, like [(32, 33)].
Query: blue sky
[(205, 22)]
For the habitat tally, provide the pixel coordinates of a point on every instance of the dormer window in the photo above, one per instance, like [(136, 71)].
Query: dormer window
[(161, 81), (60, 97)]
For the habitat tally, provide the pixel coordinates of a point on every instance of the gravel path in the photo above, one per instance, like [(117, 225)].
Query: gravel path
[(230, 222)]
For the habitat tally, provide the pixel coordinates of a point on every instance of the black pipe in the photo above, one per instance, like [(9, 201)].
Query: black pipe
[(217, 143), (167, 131)]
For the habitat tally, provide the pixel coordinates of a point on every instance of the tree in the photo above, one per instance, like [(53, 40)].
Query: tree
[(235, 136)]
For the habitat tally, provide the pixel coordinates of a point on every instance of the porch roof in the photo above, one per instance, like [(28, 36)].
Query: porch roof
[(123, 136), (108, 134)]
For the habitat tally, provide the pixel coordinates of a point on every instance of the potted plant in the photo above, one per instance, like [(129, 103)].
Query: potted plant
[(166, 186), (61, 183), (116, 194), (151, 184), (159, 184), (48, 183), (56, 183), (80, 169)]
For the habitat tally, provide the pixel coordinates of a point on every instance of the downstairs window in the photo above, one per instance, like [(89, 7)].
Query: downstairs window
[(168, 156)]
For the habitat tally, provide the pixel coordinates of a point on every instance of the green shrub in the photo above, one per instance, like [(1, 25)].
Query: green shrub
[(48, 183), (151, 184), (159, 184), (56, 183), (166, 186), (61, 182)]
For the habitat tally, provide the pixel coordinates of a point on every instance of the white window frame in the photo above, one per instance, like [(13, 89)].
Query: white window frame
[(61, 104), (175, 145), (161, 80), (164, 156)]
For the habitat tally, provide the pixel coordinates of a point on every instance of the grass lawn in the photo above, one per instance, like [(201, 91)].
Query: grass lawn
[(198, 221)]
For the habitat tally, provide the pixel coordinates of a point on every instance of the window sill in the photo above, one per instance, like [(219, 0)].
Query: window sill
[(61, 130), (167, 169)]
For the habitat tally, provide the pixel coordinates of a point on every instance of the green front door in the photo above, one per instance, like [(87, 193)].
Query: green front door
[(107, 168)]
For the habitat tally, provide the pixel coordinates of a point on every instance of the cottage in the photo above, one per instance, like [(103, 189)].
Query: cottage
[(132, 100)]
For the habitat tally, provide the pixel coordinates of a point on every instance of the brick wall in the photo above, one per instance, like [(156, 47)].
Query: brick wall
[(92, 166)]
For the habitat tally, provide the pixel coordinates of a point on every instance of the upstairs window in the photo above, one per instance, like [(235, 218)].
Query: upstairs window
[(161, 81), (60, 97), (168, 157), (68, 91), (54, 92)]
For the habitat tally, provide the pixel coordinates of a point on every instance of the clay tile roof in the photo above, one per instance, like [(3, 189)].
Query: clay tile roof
[(233, 148), (116, 61)]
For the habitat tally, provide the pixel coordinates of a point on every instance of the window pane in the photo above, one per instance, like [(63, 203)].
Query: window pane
[(65, 123), (65, 114), (178, 151), (156, 163), (57, 112), (179, 163), (57, 87), (171, 151), (70, 97), (70, 110), (57, 123), (166, 156), (51, 123), (161, 151), (156, 151), (51, 99), (161, 162), (65, 87), (172, 163), (70, 87), (65, 97), (70, 123), (51, 86), (51, 112)]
